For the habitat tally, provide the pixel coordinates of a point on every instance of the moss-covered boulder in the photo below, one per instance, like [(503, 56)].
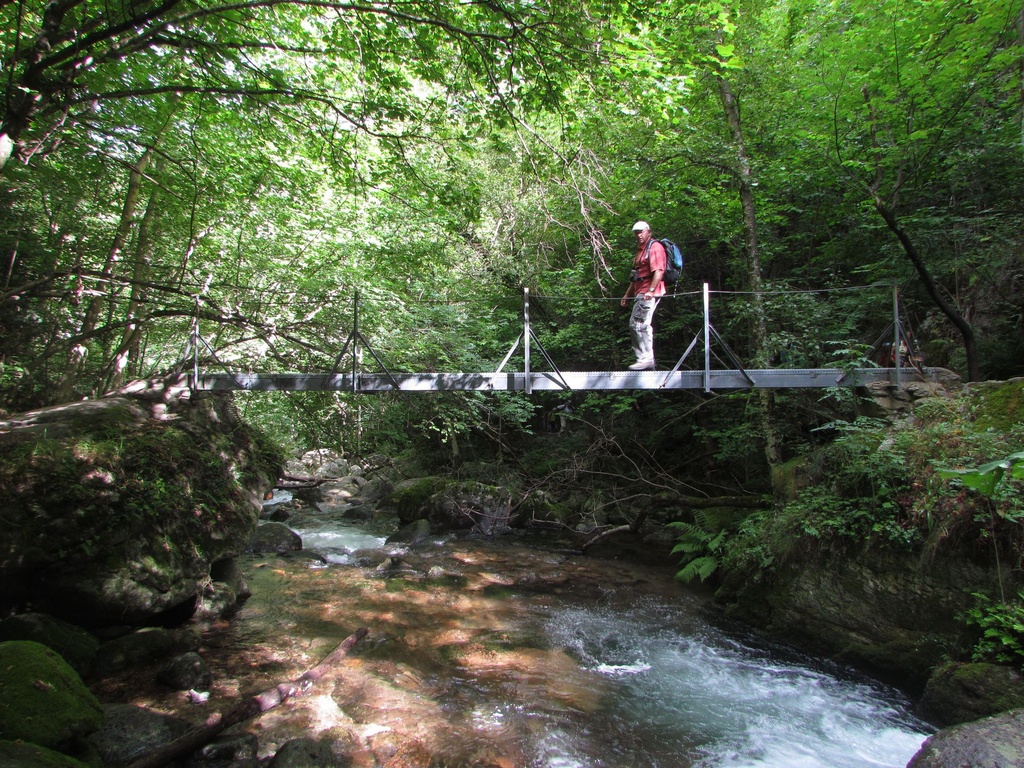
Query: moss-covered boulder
[(44, 700), (116, 509), (468, 505), (959, 693), (410, 498), (451, 505), (20, 754), (77, 646)]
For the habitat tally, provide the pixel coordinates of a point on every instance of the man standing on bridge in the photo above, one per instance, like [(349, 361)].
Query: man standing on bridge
[(647, 287)]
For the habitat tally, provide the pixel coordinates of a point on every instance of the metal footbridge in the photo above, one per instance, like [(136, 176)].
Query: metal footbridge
[(549, 377)]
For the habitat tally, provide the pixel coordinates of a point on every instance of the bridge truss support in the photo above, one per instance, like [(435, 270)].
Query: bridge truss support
[(528, 380)]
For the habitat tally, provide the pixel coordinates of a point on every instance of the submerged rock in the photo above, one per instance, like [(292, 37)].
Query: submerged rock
[(309, 753), (186, 671)]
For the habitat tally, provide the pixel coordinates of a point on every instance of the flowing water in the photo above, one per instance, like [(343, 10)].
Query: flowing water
[(512, 655)]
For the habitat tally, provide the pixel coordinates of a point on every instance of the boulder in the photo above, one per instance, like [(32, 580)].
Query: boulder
[(886, 611), (20, 754), (413, 534), (995, 742), (74, 644), (132, 650), (44, 701), (451, 505), (959, 693), (187, 671), (116, 508), (358, 512), (410, 497), (470, 505), (275, 537), (131, 732)]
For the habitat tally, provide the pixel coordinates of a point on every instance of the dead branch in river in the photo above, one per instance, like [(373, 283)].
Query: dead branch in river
[(248, 709)]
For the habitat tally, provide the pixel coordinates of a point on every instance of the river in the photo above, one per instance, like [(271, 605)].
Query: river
[(510, 653)]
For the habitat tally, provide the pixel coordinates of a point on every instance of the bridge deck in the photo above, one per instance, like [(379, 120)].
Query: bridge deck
[(772, 378)]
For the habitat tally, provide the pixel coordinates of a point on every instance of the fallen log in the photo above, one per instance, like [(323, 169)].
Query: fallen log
[(248, 709), (632, 527), (288, 482)]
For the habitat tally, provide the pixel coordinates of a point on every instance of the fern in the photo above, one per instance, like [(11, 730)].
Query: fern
[(699, 542), (700, 567)]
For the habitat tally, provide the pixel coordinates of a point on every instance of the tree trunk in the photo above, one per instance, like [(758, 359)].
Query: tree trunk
[(126, 354), (92, 313), (887, 210), (959, 321), (772, 439)]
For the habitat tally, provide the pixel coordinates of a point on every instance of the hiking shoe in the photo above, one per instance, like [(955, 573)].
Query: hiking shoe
[(642, 365)]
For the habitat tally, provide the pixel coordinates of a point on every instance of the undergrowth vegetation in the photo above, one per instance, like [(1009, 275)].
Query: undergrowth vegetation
[(949, 477)]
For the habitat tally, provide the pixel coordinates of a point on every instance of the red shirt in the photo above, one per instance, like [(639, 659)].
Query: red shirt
[(649, 259)]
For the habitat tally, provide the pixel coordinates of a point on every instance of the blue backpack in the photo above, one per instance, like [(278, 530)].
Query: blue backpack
[(674, 259)]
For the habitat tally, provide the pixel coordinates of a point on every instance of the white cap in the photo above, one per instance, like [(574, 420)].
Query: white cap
[(641, 225)]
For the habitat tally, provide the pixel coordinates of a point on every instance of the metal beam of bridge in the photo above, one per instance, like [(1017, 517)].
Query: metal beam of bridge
[(540, 381)]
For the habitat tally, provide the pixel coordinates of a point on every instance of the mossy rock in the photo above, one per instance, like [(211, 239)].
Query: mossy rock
[(1000, 405), (958, 693), (467, 504), (994, 742), (20, 754), (541, 505), (411, 497), (114, 516), (73, 643), (44, 700)]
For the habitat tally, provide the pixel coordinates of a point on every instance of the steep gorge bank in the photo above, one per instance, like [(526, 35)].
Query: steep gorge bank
[(894, 595)]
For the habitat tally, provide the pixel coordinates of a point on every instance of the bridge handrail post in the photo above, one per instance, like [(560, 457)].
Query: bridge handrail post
[(356, 337), (707, 338), (195, 346), (526, 337), (896, 334)]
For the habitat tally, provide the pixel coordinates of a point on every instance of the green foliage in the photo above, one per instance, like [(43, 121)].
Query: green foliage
[(702, 543), (1002, 629), (856, 496), (987, 478)]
